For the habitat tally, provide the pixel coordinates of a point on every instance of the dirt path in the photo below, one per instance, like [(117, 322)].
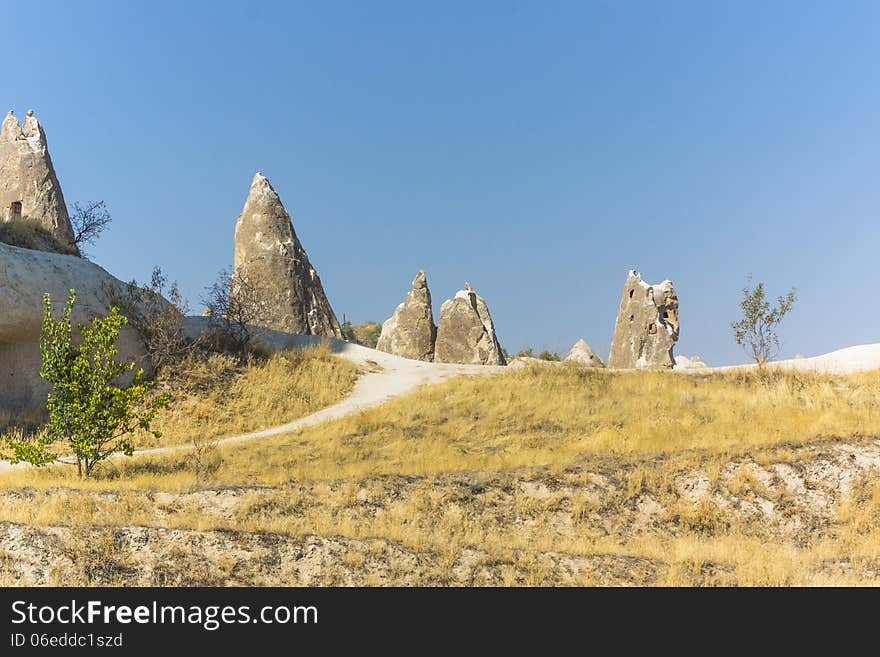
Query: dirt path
[(393, 377), (387, 377), (390, 376)]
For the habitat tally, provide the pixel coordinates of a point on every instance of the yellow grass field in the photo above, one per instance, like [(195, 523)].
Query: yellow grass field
[(218, 397), (542, 476)]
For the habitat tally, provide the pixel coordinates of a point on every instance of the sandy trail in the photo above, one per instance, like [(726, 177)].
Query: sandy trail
[(397, 377), (392, 377)]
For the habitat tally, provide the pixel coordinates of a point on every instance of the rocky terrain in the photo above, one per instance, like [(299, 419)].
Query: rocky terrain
[(613, 521), (25, 276)]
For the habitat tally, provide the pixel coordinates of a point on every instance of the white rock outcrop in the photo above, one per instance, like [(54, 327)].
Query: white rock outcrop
[(25, 275), (582, 354), (692, 363)]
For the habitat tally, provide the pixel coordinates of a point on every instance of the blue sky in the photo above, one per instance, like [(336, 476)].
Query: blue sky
[(537, 150)]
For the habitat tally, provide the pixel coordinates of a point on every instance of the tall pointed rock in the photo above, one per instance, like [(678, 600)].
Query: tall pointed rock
[(270, 257), (29, 188), (647, 325), (410, 331), (465, 331)]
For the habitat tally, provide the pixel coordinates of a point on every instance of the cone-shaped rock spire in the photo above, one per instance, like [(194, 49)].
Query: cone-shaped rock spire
[(29, 188), (465, 331), (410, 331), (582, 353), (270, 257)]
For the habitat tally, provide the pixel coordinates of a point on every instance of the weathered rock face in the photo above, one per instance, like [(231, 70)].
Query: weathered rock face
[(582, 353), (270, 257), (29, 188), (25, 276), (647, 325), (410, 332), (465, 332)]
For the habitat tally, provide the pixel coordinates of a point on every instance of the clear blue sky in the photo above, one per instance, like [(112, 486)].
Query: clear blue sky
[(537, 150)]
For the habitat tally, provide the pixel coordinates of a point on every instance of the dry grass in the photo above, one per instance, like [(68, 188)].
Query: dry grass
[(30, 234), (219, 397), (541, 476), (559, 418), (22, 424)]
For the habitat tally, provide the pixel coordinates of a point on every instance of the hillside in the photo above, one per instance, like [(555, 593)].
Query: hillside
[(537, 476)]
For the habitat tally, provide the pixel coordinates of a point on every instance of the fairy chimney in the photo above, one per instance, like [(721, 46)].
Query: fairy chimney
[(29, 188), (270, 258), (466, 333), (647, 325), (410, 332)]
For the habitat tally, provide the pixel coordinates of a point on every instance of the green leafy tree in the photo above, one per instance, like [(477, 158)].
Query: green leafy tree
[(756, 330), (90, 409)]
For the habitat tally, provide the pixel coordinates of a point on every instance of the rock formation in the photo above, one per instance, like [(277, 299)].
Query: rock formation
[(647, 325), (270, 258), (465, 332), (25, 276), (410, 332), (29, 188), (582, 353), (692, 363)]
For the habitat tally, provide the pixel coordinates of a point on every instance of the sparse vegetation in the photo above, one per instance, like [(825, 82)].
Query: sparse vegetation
[(156, 310), (91, 409), (347, 331), (88, 222), (29, 234), (367, 334), (756, 330), (217, 395), (220, 395), (535, 477), (234, 304), (557, 417), (530, 353)]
